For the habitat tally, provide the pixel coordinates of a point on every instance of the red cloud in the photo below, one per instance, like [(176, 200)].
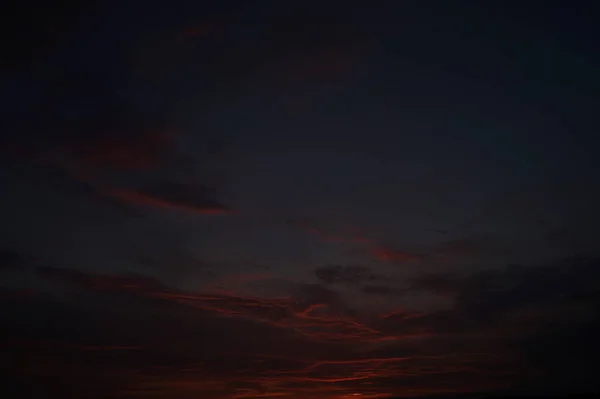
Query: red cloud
[(286, 313), (307, 350), (376, 250), (389, 255), (143, 199)]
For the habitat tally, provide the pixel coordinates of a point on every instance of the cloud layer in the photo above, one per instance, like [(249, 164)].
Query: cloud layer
[(141, 337)]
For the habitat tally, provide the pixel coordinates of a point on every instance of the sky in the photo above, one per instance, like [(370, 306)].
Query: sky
[(264, 199)]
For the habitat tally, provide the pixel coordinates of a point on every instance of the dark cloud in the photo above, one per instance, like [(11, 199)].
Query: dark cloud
[(175, 262), (383, 290), (315, 294), (87, 339), (386, 254), (376, 250), (9, 259), (121, 151), (466, 247), (122, 282), (493, 292), (91, 169), (309, 339), (139, 336), (446, 250), (550, 312), (565, 354), (187, 197), (293, 313), (79, 121), (440, 284), (490, 294), (217, 148), (350, 274)]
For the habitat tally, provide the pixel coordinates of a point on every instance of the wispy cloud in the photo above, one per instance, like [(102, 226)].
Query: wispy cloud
[(347, 274), (248, 346), (185, 197)]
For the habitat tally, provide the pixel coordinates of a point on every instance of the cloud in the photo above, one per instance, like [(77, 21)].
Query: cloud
[(360, 277), (564, 355), (126, 150), (549, 313), (86, 133), (440, 284), (385, 254), (143, 338), (375, 249), (80, 187), (450, 249), (456, 248), (485, 296), (349, 275), (10, 260), (328, 236), (296, 314), (120, 282), (146, 338), (185, 197), (489, 294), (469, 247), (382, 290)]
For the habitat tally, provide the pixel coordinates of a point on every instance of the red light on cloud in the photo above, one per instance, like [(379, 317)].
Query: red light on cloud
[(388, 255), (137, 198)]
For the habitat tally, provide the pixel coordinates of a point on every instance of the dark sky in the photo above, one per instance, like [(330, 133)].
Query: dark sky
[(325, 199)]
